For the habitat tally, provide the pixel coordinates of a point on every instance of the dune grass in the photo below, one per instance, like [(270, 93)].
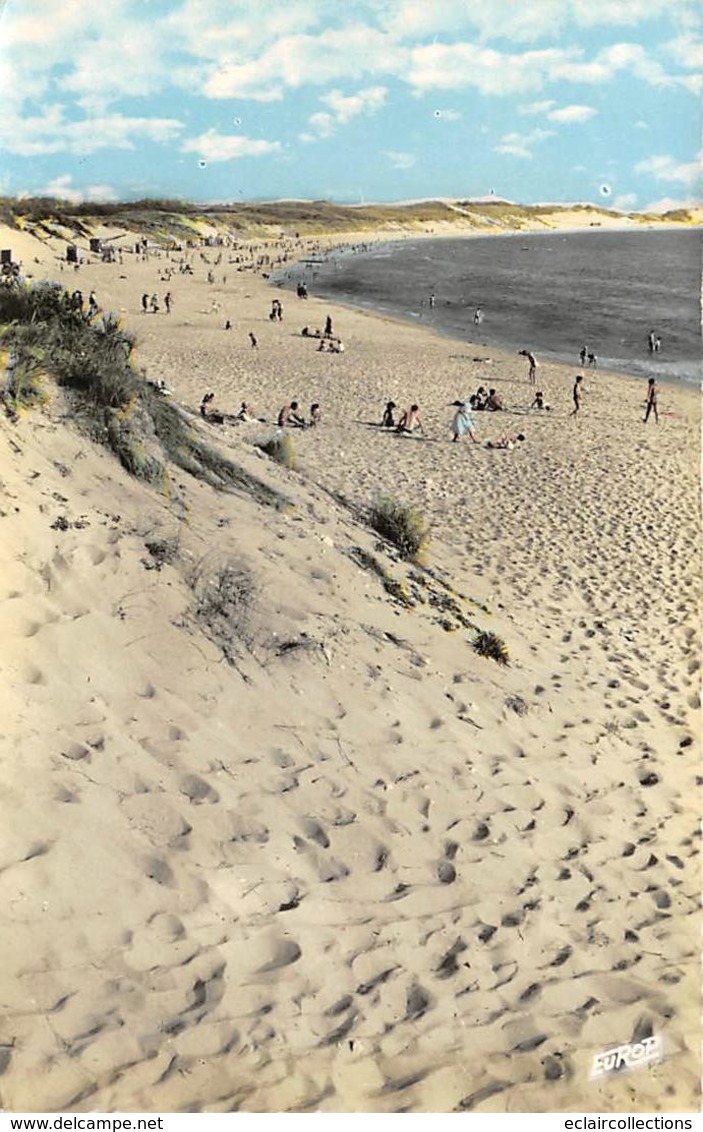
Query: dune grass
[(401, 524), (91, 360)]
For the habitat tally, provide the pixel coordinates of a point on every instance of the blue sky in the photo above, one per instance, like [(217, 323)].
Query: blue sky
[(353, 100)]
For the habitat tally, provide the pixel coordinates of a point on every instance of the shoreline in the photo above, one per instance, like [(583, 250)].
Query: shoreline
[(287, 278)]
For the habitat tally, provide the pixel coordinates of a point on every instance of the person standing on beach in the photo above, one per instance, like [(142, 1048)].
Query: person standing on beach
[(651, 406), (577, 395), (651, 339), (328, 327), (532, 372), (463, 422), (145, 303), (583, 355), (168, 300), (478, 315)]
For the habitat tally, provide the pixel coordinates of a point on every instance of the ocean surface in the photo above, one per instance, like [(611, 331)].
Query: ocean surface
[(550, 293)]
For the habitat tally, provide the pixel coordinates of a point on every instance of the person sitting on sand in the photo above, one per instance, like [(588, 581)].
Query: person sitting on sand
[(410, 420), (478, 399), (212, 416), (290, 416), (494, 402), (463, 422), (315, 414), (388, 420), (244, 413), (506, 441), (538, 402)]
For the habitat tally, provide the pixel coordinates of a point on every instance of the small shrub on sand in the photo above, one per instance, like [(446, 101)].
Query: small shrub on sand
[(281, 449), (224, 595), (401, 524), (491, 646)]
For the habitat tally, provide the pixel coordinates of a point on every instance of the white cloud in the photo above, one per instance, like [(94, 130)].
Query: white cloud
[(62, 188), (625, 202), (664, 167), (610, 61), (668, 204), (459, 65), (569, 114), (400, 160), (212, 146), (347, 107), (537, 107), (301, 60), (517, 21), (51, 132), (685, 52), (343, 109), (520, 145)]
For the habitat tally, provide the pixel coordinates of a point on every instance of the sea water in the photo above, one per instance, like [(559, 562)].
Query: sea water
[(551, 293)]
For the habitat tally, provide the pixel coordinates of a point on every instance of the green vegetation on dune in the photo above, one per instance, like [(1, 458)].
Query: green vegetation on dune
[(167, 220), (45, 336)]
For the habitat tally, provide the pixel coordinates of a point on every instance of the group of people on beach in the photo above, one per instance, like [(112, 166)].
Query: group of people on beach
[(152, 304), (291, 416)]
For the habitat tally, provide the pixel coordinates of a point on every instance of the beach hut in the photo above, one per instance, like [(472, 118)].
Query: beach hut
[(5, 256), (72, 253), (96, 245)]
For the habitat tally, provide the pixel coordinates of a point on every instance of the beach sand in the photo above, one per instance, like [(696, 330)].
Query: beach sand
[(362, 868)]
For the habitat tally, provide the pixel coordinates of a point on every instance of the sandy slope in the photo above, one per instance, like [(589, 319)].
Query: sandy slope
[(364, 869)]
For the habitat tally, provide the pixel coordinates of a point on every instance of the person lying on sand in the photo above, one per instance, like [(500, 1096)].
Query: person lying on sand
[(506, 441), (290, 416), (410, 420), (388, 420), (463, 422)]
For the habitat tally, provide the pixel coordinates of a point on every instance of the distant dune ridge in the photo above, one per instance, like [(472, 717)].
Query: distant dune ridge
[(275, 836)]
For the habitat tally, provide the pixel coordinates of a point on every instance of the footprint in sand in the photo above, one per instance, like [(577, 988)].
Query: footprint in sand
[(34, 675), (157, 870), (285, 952), (76, 752), (197, 790)]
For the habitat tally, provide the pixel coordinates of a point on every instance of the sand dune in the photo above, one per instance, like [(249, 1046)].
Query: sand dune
[(361, 868)]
